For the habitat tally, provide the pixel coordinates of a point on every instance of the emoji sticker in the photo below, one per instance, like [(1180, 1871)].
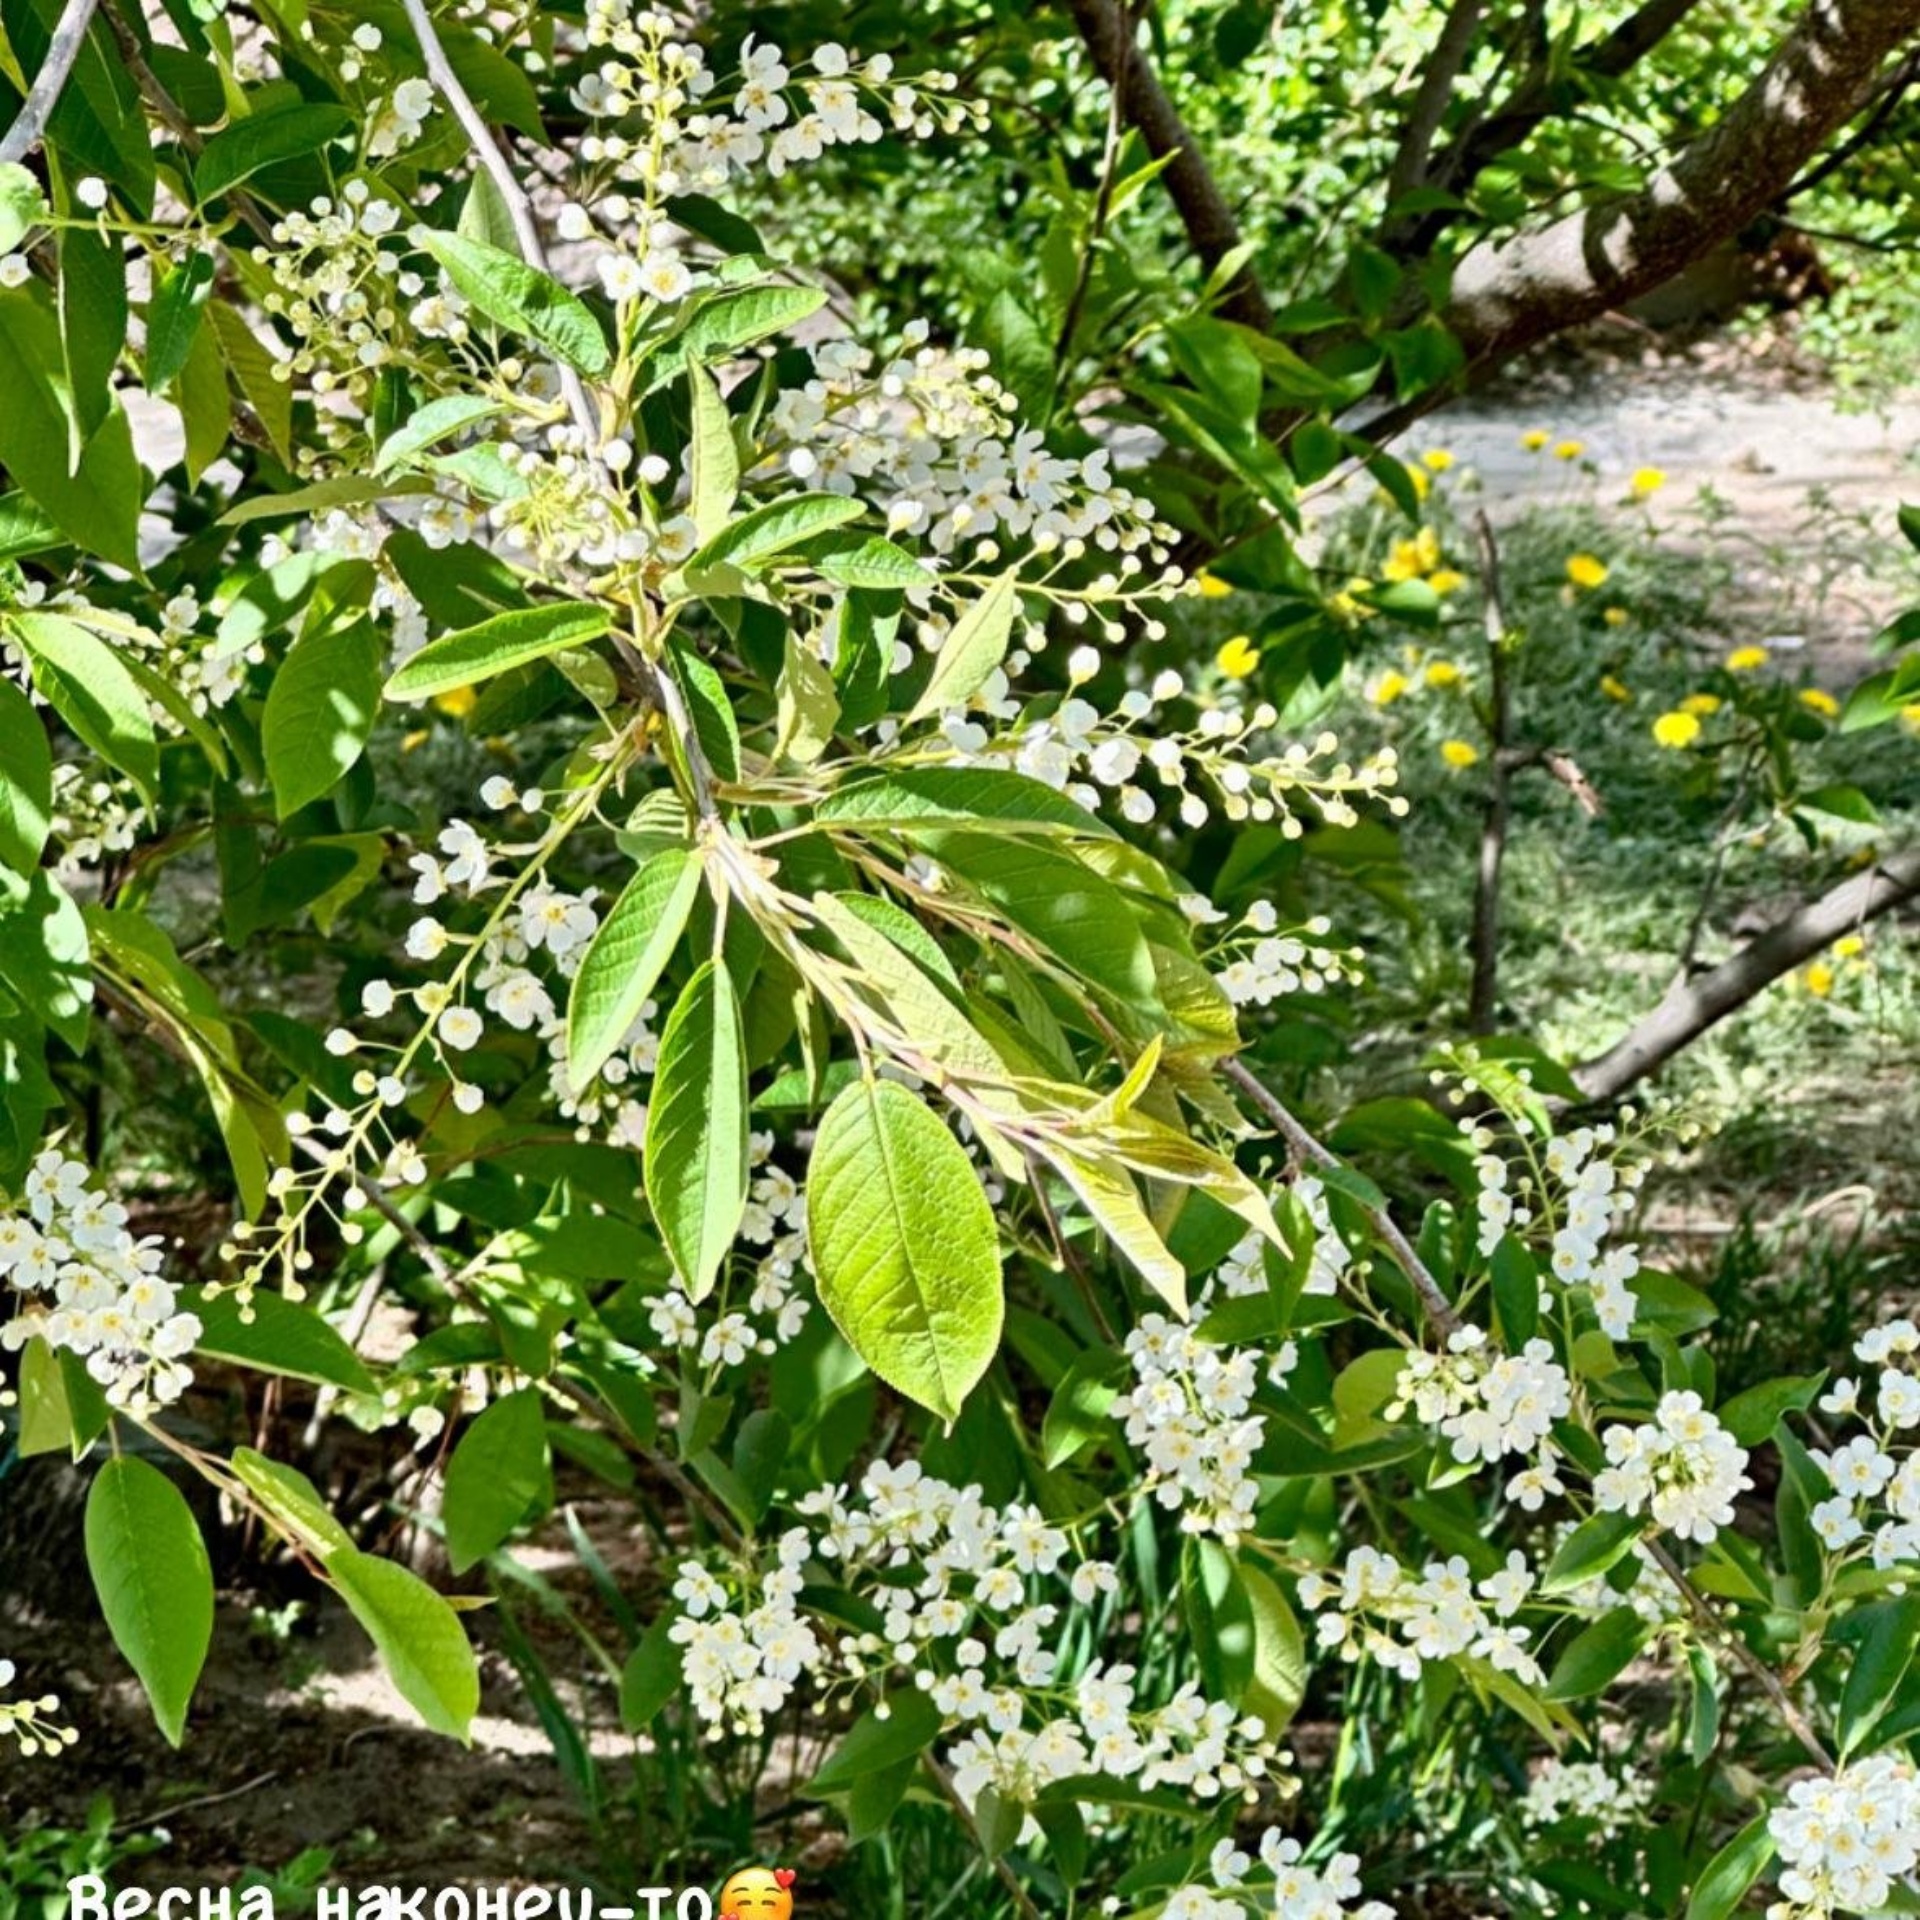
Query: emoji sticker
[(758, 1893)]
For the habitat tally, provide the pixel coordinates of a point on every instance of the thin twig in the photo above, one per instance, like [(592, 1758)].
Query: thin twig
[(1770, 1682), (43, 96), (494, 163), (1484, 941), (1437, 1307), (1097, 226), (1022, 1900)]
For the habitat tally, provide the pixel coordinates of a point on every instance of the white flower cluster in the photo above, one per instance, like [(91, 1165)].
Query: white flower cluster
[(1875, 1504), (1585, 1790), (1491, 1404), (93, 817), (92, 1289), (1297, 1891), (775, 1219), (1585, 1194), (967, 1629), (28, 1721), (1189, 1413), (1376, 1608), (743, 1653), (1683, 1468), (929, 437), (1264, 962), (1847, 1843)]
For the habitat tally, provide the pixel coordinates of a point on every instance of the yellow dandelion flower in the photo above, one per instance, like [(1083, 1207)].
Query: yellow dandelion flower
[(1701, 704), (1442, 673), (1615, 689), (1238, 657), (1388, 688), (417, 738), (1647, 481), (1910, 717), (1459, 753), (1569, 449), (1818, 979), (1849, 947), (457, 702), (1535, 438), (1587, 570), (1446, 580), (1746, 659), (1819, 700), (1616, 616), (1436, 459), (1212, 587), (1676, 730)]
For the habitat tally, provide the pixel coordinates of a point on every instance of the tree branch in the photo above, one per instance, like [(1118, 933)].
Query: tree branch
[(1432, 98), (1508, 294), (1690, 1007), (1305, 1148), (30, 125), (1106, 29)]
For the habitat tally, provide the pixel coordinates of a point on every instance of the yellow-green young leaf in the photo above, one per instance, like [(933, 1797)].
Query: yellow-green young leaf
[(292, 1503), (150, 1569), (726, 322), (46, 1420), (809, 707), (507, 640), (498, 1477), (774, 528), (716, 459), (22, 204), (904, 1245), (319, 712), (433, 422), (520, 298), (26, 781), (624, 962), (1113, 1203), (85, 682), (45, 957), (696, 1152), (976, 643), (418, 1636)]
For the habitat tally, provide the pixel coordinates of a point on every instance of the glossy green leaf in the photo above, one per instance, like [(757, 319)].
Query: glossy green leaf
[(623, 964), (696, 1151), (276, 1335), (520, 298), (497, 1478), (173, 320), (774, 529), (320, 710), (904, 1245), (259, 140), (975, 644), (26, 781), (150, 1569), (882, 1739), (507, 640), (418, 1636)]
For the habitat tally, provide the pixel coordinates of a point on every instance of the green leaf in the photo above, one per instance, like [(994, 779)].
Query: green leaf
[(910, 797), (1751, 1416), (1077, 1414), (173, 320), (252, 367), (904, 1245), (773, 528), (651, 1677), (1279, 1681), (263, 140), (1724, 1881), (418, 1636), (92, 691), (150, 1569), (891, 1735), (96, 504), (26, 781), (319, 712), (878, 563), (292, 1503), (434, 422), (976, 643), (520, 298), (1596, 1654), (1880, 1663), (497, 1478), (1589, 1550), (276, 1335), (507, 640), (696, 1152), (624, 963), (22, 204), (92, 300), (44, 957), (807, 703), (46, 1420), (726, 322), (715, 457)]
